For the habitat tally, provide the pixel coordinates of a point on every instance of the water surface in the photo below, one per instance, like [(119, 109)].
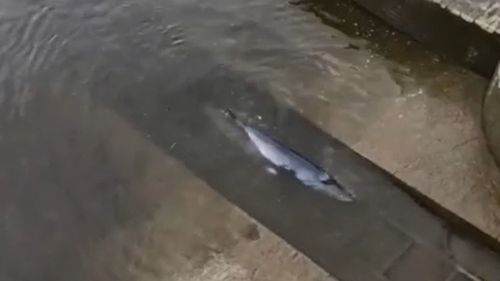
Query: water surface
[(80, 81)]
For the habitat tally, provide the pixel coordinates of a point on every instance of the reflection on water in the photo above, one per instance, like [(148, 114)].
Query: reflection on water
[(75, 75)]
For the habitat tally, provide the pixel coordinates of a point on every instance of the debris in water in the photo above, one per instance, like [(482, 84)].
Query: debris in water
[(177, 42), (172, 145), (323, 98), (271, 170)]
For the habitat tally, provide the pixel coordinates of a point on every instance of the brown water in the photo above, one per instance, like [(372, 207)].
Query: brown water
[(96, 97), (92, 93)]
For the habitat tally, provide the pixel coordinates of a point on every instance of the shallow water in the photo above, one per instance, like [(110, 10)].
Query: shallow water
[(89, 89), (82, 81)]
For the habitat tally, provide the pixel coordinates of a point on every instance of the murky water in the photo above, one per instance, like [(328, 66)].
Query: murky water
[(88, 89), (91, 91)]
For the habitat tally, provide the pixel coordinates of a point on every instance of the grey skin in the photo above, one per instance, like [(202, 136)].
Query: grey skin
[(285, 158)]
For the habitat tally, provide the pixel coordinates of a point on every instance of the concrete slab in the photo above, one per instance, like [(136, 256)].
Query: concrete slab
[(316, 225), (420, 263)]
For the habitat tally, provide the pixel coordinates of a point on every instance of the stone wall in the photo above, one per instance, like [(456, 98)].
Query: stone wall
[(485, 13)]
